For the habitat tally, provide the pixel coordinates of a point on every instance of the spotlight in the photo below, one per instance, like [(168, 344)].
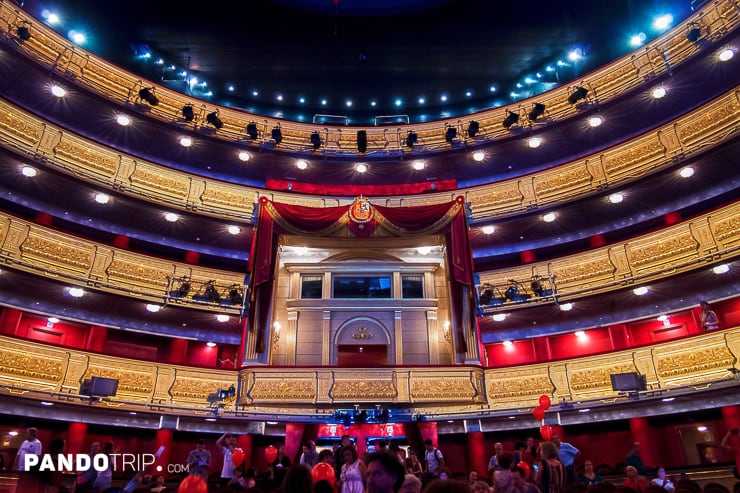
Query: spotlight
[(214, 120), (316, 141), (362, 141), (411, 139), (188, 113), (23, 33), (450, 134), (277, 134), (235, 295), (473, 128), (694, 34), (211, 293), (511, 119), (147, 95), (252, 131), (537, 111), (577, 95), (184, 288)]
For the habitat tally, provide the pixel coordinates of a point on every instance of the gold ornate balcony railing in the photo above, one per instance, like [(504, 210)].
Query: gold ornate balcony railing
[(30, 247), (667, 252), (61, 56), (46, 372), (712, 124), (33, 248)]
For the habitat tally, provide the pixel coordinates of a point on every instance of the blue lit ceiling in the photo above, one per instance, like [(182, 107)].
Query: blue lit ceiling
[(421, 59)]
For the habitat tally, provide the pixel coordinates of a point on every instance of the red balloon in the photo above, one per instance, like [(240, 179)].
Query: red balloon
[(193, 483), (525, 467), (545, 402), (538, 413), (237, 457), (271, 454), (324, 471), (546, 432)]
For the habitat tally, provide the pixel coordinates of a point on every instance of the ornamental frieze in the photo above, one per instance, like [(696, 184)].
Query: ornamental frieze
[(363, 390)]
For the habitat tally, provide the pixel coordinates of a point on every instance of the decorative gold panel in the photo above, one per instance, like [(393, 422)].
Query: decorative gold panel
[(588, 380), (443, 388), (691, 361), (284, 390), (23, 367), (513, 388), (94, 159), (362, 389)]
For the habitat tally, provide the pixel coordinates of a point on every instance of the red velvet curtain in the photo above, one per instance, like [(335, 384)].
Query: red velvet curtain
[(275, 218)]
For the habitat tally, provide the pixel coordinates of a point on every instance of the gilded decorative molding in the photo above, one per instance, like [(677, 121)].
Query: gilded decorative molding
[(26, 368), (586, 381), (130, 382), (283, 390), (443, 388), (364, 389)]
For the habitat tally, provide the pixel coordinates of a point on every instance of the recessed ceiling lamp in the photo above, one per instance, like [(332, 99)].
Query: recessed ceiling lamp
[(566, 307), (151, 307), (726, 54), (102, 198), (210, 344), (76, 292), (507, 343), (234, 230), (425, 250), (123, 120), (721, 269), (222, 318), (549, 217), (687, 172), (29, 171), (186, 141), (53, 320), (244, 156), (658, 92), (580, 333), (58, 91), (171, 217), (595, 121), (534, 142), (640, 291), (361, 167), (499, 317), (418, 165), (301, 164), (488, 230), (616, 198), (479, 156)]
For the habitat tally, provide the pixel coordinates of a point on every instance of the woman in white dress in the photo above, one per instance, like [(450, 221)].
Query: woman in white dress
[(354, 471)]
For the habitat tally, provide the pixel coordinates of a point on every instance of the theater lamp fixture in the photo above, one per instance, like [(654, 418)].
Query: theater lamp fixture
[(411, 139), (23, 33), (277, 134), (188, 113), (473, 128), (147, 94), (450, 133), (252, 131), (316, 141), (577, 95), (511, 119), (214, 120), (538, 110)]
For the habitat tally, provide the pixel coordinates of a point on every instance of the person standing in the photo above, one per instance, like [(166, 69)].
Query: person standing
[(567, 454), (633, 459), (550, 475), (310, 456), (493, 466), (280, 465), (709, 318), (384, 473), (435, 461), (30, 446), (86, 479), (354, 471), (104, 479), (731, 442), (227, 445), (199, 460)]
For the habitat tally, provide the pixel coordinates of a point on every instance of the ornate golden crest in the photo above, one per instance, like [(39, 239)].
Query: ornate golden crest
[(361, 210)]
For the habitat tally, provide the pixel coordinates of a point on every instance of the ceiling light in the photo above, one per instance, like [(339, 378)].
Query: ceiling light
[(222, 318), (29, 171), (663, 22), (488, 230), (348, 103), (534, 142), (211, 420), (361, 167), (499, 317), (102, 198), (132, 413), (661, 318), (580, 333), (549, 217), (186, 141), (58, 91), (637, 40), (595, 121), (46, 403), (669, 399), (171, 217), (123, 120), (443, 98), (425, 250), (566, 307), (658, 92), (76, 292), (479, 156), (418, 165), (587, 410), (642, 290), (53, 320), (12, 433), (151, 307), (210, 344), (721, 269), (701, 428), (271, 422), (244, 156), (301, 164), (687, 172), (726, 54), (507, 343), (616, 198), (234, 230)]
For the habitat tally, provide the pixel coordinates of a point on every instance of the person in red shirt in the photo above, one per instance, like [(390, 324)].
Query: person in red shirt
[(634, 480), (731, 442)]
